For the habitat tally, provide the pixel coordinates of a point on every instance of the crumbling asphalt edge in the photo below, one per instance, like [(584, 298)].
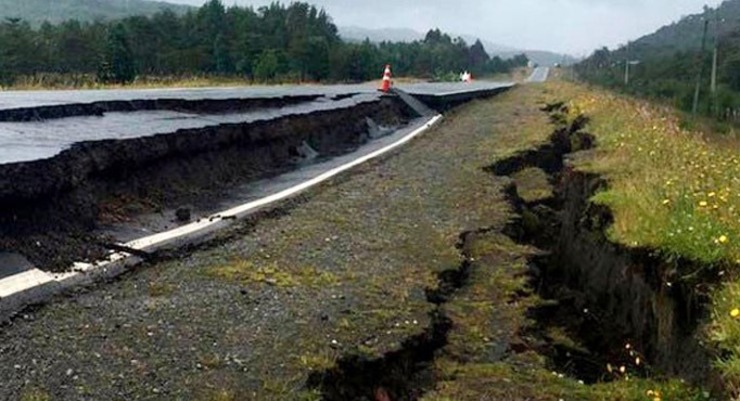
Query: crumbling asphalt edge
[(35, 286)]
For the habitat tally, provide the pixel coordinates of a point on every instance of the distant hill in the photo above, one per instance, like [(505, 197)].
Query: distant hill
[(687, 32), (666, 63), (358, 34), (685, 36), (493, 49), (56, 11)]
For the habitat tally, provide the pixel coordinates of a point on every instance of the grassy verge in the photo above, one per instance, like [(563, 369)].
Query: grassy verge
[(488, 355), (673, 190), (670, 189)]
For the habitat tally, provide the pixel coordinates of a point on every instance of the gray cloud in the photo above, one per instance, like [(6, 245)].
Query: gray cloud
[(570, 26)]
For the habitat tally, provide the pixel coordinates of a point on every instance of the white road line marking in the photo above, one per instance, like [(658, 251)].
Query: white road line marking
[(239, 211), (23, 282)]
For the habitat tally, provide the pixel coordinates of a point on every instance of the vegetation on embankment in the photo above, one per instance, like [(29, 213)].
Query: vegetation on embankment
[(276, 43), (675, 193), (669, 189)]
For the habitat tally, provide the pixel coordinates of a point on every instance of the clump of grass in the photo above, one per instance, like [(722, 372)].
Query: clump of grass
[(527, 379), (221, 395), (532, 185), (160, 289), (725, 332), (52, 81), (35, 394), (317, 362), (247, 272), (211, 361)]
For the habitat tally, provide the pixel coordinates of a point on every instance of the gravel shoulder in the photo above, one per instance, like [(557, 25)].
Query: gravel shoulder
[(345, 270)]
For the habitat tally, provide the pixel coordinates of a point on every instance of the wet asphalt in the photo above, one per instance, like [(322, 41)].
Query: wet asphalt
[(37, 140)]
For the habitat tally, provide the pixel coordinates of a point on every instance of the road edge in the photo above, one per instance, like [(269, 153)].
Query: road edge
[(35, 286)]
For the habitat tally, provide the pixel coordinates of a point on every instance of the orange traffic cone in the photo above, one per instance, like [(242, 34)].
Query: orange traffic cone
[(386, 86)]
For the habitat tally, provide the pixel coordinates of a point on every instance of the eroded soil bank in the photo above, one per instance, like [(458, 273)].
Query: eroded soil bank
[(601, 313), (48, 208), (624, 310)]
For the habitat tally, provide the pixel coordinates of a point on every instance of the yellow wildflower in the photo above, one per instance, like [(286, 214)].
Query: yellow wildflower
[(735, 312)]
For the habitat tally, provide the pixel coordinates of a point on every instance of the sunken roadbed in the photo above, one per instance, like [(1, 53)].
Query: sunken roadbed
[(50, 207), (78, 170), (364, 273)]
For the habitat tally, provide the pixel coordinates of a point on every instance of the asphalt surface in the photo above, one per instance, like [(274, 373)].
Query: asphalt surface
[(540, 74), (163, 220), (27, 141), (25, 99), (35, 140)]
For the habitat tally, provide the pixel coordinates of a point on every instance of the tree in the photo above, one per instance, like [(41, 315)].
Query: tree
[(297, 41), (118, 61), (267, 66), (18, 50), (478, 58)]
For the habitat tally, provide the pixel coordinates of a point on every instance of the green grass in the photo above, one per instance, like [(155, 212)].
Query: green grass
[(532, 185), (35, 394), (261, 272), (672, 190), (669, 189)]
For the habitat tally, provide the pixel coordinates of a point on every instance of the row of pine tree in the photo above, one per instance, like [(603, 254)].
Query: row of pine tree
[(295, 42)]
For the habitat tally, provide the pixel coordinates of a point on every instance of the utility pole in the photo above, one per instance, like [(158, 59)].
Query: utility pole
[(715, 59), (700, 72), (627, 66)]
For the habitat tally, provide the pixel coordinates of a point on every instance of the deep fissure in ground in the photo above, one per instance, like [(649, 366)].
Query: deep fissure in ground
[(610, 312), (405, 374), (615, 312)]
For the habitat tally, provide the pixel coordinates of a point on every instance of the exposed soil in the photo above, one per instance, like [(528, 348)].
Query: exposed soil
[(273, 302), (405, 374), (623, 307)]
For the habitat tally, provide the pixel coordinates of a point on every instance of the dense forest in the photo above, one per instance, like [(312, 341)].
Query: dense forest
[(668, 64), (295, 42)]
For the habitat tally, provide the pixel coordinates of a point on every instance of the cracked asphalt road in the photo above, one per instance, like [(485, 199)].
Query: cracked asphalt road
[(343, 270)]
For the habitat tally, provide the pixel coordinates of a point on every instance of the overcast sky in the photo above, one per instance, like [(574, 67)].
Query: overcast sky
[(569, 26)]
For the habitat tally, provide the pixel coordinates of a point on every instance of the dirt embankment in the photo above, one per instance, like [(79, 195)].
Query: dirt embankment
[(49, 207), (625, 305)]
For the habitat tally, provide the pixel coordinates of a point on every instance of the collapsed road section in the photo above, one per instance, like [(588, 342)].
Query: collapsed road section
[(109, 178)]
